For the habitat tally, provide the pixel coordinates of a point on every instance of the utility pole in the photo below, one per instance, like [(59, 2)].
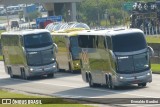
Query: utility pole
[(98, 18), (27, 13), (7, 16)]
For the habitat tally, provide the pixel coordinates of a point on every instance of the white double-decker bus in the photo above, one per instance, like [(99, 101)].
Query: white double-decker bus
[(29, 53), (115, 57)]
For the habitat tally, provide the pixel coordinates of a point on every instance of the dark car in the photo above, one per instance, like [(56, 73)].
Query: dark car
[(14, 24)]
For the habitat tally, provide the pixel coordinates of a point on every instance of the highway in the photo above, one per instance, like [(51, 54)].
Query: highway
[(69, 85)]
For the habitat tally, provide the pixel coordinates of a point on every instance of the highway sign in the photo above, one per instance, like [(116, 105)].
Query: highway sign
[(44, 20), (30, 8), (128, 6)]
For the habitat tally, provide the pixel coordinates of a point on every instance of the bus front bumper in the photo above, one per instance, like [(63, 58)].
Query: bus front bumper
[(129, 79), (43, 70)]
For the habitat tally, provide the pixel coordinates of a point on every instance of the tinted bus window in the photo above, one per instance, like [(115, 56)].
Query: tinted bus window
[(87, 41), (109, 42), (37, 40), (10, 40), (74, 41), (128, 42), (74, 48)]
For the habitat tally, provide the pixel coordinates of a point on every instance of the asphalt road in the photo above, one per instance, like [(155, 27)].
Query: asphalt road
[(72, 86)]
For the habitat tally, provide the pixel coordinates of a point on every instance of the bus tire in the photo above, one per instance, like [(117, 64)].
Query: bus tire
[(142, 84), (10, 72), (70, 67), (107, 80), (110, 83), (23, 74), (87, 77), (90, 80), (51, 75)]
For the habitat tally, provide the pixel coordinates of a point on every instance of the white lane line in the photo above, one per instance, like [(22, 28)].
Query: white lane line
[(117, 92), (69, 96)]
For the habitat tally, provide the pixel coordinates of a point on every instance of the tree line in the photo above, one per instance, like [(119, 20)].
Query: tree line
[(103, 12)]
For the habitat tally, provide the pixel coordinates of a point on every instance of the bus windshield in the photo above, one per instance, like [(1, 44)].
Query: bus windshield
[(135, 63), (37, 40), (128, 42), (39, 58), (74, 48)]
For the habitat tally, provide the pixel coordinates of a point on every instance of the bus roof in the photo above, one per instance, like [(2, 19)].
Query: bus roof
[(68, 32), (25, 32), (109, 32)]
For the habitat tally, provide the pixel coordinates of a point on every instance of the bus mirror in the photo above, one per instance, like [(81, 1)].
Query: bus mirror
[(151, 51), (56, 47), (23, 50), (113, 55)]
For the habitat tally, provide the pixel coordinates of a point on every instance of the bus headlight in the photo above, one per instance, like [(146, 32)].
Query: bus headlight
[(148, 74), (31, 69), (54, 66), (121, 78)]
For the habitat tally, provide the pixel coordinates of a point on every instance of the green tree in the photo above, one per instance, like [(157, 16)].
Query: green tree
[(34, 15), (90, 11)]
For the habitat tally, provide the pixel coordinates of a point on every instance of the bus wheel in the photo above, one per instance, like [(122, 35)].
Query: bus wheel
[(50, 75), (91, 84), (110, 83), (107, 80), (23, 74), (87, 77), (142, 84), (70, 68), (10, 72)]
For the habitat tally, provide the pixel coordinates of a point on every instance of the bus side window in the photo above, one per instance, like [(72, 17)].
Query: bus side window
[(91, 42), (21, 41), (109, 42), (83, 41), (5, 40)]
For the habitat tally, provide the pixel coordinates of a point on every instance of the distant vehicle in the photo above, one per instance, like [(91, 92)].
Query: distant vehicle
[(115, 57), (29, 53), (2, 11), (33, 26), (2, 27), (14, 24), (14, 9)]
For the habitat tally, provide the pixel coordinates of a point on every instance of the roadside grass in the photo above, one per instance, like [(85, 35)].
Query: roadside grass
[(1, 32), (1, 58), (3, 18), (62, 49), (153, 39), (8, 94), (155, 68)]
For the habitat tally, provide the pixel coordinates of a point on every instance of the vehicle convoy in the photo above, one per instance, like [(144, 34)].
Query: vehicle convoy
[(65, 36), (29, 53), (115, 57)]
